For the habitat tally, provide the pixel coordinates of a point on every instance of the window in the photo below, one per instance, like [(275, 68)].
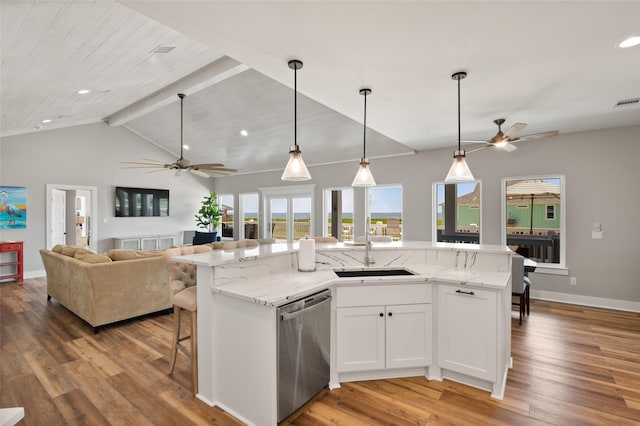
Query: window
[(385, 211), (460, 223), (338, 205), (534, 222), (551, 212), (225, 203), (288, 212), (249, 215)]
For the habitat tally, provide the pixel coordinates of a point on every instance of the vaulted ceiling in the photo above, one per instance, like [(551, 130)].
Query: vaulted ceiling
[(553, 65)]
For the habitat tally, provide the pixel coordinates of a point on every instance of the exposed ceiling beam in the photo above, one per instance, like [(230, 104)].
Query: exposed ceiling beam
[(206, 76)]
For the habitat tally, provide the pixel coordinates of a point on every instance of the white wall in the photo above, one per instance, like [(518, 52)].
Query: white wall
[(89, 156), (602, 178)]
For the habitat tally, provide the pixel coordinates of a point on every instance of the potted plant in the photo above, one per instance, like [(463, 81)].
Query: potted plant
[(208, 218)]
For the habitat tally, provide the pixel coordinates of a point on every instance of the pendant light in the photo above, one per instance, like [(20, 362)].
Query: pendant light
[(296, 169), (459, 171), (364, 176)]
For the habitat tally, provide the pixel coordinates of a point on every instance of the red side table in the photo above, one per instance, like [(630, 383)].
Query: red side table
[(13, 265)]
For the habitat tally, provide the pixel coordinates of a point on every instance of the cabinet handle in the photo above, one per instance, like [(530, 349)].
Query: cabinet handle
[(466, 292), (390, 313), (381, 314)]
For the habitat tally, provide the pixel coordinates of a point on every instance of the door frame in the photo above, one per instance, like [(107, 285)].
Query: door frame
[(93, 209)]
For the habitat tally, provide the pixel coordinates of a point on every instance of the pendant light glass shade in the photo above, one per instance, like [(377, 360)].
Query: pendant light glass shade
[(364, 176), (459, 171), (296, 169)]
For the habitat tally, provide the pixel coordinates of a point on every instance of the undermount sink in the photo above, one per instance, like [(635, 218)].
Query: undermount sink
[(350, 273)]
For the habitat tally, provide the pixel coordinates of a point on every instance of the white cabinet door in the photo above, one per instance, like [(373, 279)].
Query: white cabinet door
[(127, 243), (360, 338), (149, 243), (166, 241), (467, 331), (409, 336)]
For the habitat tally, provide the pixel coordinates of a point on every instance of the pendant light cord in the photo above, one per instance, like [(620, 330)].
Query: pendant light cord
[(364, 137), (459, 114), (181, 96), (295, 106)]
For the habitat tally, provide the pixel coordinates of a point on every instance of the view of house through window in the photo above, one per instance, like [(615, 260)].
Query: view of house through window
[(385, 211), (338, 215), (225, 204), (533, 212), (249, 215), (458, 212)]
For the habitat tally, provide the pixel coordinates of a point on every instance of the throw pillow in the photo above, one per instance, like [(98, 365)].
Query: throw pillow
[(90, 257)]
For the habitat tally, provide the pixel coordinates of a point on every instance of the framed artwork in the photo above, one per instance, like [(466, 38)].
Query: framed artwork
[(13, 207)]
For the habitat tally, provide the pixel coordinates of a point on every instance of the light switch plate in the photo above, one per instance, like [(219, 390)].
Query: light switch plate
[(596, 235)]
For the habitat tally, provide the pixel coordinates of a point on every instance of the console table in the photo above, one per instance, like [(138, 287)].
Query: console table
[(11, 267)]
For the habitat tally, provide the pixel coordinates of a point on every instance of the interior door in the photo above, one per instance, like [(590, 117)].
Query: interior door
[(58, 219)]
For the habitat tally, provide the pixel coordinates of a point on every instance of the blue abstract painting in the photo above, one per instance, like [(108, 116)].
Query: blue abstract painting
[(13, 210)]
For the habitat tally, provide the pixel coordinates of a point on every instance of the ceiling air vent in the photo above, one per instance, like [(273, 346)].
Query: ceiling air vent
[(627, 102), (163, 49)]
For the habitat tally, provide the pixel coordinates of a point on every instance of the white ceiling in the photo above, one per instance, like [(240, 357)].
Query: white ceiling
[(553, 65)]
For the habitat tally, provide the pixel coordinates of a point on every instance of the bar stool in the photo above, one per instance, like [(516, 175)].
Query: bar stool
[(182, 278)]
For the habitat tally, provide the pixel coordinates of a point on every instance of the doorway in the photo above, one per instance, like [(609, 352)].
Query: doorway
[(71, 212)]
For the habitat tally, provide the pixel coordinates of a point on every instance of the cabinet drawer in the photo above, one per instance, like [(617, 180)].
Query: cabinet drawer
[(10, 247), (394, 294)]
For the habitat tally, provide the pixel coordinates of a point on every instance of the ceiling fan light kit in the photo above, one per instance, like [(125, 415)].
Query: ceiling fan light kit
[(364, 177), (459, 171), (295, 170)]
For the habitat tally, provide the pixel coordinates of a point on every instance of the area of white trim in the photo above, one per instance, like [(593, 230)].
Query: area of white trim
[(576, 299)]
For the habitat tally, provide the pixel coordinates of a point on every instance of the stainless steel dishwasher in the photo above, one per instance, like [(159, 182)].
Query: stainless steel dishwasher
[(303, 350)]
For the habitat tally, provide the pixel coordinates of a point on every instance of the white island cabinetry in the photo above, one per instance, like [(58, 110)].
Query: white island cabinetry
[(383, 327)]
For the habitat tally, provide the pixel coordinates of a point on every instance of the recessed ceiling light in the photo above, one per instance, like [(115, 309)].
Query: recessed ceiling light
[(83, 91), (46, 120), (243, 132), (185, 146), (630, 42)]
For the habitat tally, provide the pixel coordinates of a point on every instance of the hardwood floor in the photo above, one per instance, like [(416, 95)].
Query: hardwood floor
[(571, 366)]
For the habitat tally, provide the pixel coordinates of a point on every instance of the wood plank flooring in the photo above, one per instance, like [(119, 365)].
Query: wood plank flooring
[(571, 366)]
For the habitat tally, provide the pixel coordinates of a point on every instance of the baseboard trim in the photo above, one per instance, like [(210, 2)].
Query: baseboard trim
[(34, 274), (596, 302)]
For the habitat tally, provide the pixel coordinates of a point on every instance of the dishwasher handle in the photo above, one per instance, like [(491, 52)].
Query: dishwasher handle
[(292, 315)]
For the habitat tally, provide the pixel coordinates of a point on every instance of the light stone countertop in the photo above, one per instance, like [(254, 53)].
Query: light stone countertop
[(282, 287)]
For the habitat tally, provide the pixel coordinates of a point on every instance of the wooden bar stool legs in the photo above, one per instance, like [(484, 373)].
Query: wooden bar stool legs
[(178, 338)]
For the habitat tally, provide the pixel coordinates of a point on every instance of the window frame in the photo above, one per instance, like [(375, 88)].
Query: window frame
[(542, 268), (434, 203), (367, 224), (288, 192), (326, 205), (241, 211)]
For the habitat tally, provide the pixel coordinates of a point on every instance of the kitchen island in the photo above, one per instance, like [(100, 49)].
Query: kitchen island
[(449, 319)]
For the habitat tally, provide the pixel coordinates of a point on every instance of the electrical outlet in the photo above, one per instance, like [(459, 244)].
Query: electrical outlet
[(573, 280)]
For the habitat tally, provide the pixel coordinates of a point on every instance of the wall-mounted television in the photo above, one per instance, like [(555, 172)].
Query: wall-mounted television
[(139, 202)]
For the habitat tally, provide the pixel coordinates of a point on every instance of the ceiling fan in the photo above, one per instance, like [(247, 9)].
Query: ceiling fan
[(506, 140), (182, 164)]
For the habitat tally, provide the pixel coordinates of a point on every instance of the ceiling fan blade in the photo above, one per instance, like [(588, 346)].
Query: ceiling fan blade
[(469, 151), (207, 165), (514, 129), (219, 170), (536, 136), (144, 167), (155, 161), (141, 163)]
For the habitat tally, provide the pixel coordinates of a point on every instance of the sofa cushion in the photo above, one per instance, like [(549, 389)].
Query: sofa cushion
[(57, 248), (119, 254), (70, 250), (90, 257)]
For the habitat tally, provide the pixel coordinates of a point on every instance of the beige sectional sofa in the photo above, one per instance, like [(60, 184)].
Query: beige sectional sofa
[(103, 289)]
